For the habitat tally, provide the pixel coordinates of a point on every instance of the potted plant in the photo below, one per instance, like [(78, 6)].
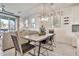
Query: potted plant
[(42, 30)]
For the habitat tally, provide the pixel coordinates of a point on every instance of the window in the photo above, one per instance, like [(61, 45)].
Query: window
[(4, 25), (7, 24), (12, 25), (26, 22), (33, 23)]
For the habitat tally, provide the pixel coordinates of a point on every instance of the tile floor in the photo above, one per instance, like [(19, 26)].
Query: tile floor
[(63, 46)]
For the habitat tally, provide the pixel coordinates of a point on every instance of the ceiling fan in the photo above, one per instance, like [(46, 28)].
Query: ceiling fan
[(4, 11)]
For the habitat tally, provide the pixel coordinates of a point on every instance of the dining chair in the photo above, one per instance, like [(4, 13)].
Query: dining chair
[(51, 31), (52, 38), (49, 41), (46, 45), (21, 48)]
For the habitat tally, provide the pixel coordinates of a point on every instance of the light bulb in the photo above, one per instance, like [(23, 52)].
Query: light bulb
[(44, 19)]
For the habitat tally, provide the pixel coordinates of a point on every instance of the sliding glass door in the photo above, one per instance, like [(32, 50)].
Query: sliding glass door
[(4, 25), (12, 25), (7, 24)]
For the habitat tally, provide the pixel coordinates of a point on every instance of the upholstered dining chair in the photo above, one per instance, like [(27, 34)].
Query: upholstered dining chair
[(46, 45), (49, 42), (21, 48), (52, 38)]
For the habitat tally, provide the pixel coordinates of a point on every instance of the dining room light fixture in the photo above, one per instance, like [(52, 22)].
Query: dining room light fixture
[(44, 15)]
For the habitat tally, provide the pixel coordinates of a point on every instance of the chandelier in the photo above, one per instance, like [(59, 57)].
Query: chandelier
[(44, 15)]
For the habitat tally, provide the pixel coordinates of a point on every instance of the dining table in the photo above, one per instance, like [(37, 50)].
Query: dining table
[(37, 38)]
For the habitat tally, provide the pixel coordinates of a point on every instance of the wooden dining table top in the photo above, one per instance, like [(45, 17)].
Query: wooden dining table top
[(36, 37)]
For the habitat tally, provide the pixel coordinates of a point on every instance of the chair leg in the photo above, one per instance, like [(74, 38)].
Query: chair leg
[(34, 51), (47, 53), (54, 43), (15, 53), (51, 45)]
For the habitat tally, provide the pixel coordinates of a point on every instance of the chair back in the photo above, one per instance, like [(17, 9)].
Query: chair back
[(15, 42), (46, 40), (51, 31)]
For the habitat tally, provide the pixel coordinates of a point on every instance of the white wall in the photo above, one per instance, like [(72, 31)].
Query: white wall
[(73, 13)]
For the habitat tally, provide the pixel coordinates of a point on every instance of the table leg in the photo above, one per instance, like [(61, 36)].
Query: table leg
[(39, 48), (15, 52)]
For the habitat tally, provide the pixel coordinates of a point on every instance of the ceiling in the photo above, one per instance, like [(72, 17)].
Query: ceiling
[(28, 9)]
